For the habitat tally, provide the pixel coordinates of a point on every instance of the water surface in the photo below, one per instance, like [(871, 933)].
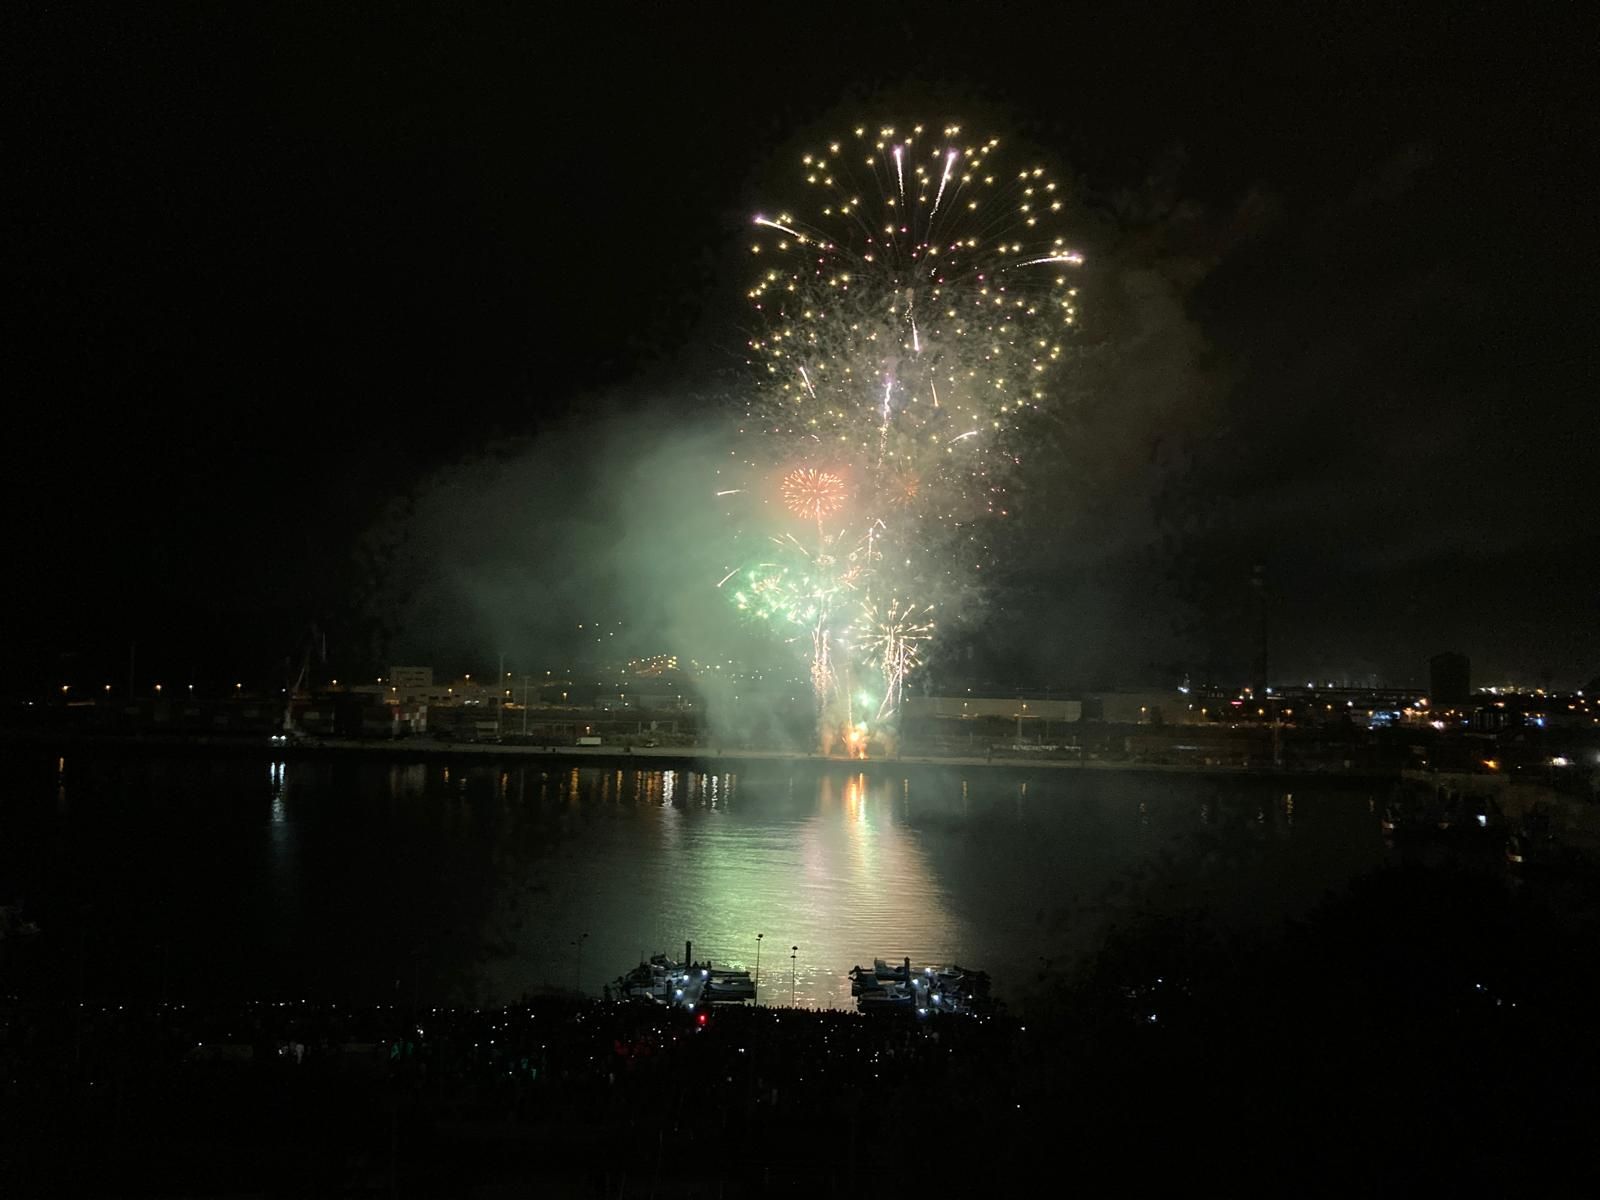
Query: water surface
[(363, 880)]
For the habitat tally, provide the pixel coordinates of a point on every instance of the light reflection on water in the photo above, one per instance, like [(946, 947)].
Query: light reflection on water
[(843, 881), (478, 882), (986, 872)]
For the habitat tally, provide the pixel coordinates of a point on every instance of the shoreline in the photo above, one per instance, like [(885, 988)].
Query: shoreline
[(650, 758)]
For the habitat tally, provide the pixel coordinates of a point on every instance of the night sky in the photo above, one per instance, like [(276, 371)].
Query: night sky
[(270, 270)]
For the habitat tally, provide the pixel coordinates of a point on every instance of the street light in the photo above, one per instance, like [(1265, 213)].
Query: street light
[(759, 936), (793, 951)]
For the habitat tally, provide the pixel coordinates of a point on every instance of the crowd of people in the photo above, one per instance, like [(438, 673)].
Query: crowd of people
[(592, 1092)]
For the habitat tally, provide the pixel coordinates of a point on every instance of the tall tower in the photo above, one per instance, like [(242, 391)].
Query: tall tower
[(1449, 679), (1259, 676)]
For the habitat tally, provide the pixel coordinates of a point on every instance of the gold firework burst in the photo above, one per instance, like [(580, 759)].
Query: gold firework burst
[(812, 494)]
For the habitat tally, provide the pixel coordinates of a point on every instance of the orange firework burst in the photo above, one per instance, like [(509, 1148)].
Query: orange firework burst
[(902, 487), (812, 494)]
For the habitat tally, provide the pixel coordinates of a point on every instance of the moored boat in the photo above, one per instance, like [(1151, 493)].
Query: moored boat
[(928, 990), (663, 981)]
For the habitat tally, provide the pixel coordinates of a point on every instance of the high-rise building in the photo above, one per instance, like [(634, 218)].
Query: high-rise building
[(1260, 673), (1449, 680)]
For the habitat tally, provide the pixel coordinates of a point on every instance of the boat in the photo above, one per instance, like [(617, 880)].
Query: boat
[(725, 985), (653, 981), (863, 981), (952, 989), (663, 981), (895, 996)]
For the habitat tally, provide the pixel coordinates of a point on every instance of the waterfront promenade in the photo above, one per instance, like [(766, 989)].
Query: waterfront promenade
[(697, 757)]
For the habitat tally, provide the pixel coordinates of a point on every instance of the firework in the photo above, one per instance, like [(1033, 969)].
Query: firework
[(916, 313), (913, 313), (901, 486), (796, 584), (890, 639), (812, 494)]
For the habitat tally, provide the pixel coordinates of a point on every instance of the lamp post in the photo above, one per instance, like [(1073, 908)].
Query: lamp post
[(759, 936), (577, 971), (793, 951), (416, 980)]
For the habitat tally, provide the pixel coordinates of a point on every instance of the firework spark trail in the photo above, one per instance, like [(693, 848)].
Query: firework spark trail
[(910, 323), (1070, 259), (783, 228), (949, 161), (883, 426)]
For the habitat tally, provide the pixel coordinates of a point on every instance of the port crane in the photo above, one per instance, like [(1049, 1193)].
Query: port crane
[(316, 644)]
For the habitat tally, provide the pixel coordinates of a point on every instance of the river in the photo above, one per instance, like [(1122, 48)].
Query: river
[(203, 877)]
